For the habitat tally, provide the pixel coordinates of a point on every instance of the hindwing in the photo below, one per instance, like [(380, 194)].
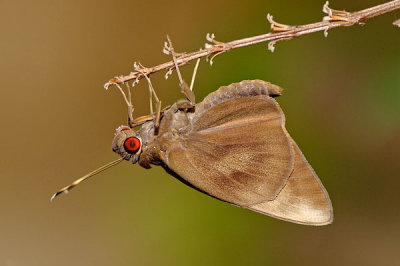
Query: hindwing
[(237, 149)]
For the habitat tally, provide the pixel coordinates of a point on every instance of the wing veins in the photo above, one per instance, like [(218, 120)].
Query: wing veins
[(222, 147), (234, 180), (210, 180), (219, 127)]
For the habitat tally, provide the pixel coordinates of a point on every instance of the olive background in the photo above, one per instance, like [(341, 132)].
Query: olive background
[(341, 101)]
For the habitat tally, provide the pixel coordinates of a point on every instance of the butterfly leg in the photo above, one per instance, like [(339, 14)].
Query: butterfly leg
[(157, 114), (184, 87), (186, 105), (128, 101), (194, 74)]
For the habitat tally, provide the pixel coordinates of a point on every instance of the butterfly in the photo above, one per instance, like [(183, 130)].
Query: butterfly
[(232, 146)]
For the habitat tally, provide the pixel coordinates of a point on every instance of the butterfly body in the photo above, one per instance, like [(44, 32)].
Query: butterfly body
[(233, 146)]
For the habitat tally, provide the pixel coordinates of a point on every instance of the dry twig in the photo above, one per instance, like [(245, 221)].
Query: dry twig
[(280, 32)]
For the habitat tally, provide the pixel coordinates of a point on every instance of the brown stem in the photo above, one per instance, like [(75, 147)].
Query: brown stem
[(280, 32)]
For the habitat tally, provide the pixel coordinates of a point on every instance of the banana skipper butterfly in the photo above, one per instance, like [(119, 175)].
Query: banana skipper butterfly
[(232, 146)]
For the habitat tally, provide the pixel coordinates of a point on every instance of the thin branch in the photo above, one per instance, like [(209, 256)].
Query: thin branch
[(280, 32)]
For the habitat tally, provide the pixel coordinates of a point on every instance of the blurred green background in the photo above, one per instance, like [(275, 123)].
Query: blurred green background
[(341, 101)]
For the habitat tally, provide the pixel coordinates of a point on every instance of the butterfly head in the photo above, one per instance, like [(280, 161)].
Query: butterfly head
[(127, 144)]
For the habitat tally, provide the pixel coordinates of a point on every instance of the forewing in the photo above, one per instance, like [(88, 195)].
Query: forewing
[(303, 200), (238, 150)]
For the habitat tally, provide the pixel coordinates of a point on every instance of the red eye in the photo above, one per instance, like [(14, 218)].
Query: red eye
[(132, 145)]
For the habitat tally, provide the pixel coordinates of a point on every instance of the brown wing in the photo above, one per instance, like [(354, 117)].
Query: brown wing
[(303, 200), (238, 149)]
